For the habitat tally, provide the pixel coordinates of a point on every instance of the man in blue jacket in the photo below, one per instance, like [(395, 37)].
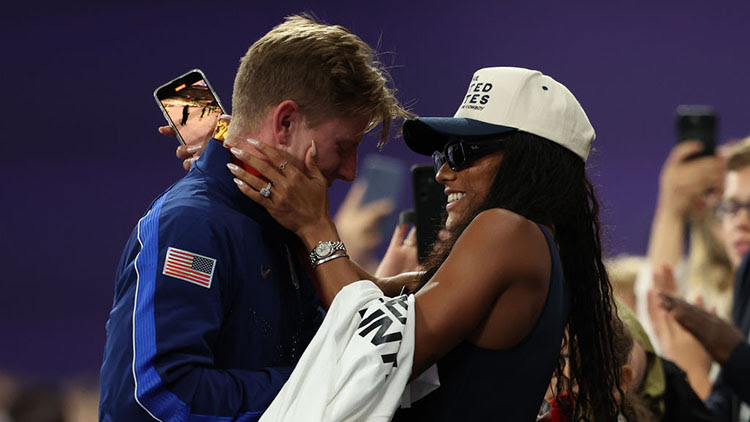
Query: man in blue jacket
[(213, 304)]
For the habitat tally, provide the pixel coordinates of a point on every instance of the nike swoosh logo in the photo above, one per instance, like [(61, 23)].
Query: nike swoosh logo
[(264, 273)]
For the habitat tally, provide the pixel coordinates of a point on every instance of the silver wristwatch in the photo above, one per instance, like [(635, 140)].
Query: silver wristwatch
[(325, 249)]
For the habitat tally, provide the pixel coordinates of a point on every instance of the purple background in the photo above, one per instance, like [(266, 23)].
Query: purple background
[(82, 159)]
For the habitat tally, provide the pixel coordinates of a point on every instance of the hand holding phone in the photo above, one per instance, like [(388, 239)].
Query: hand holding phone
[(190, 106), (692, 175), (697, 123)]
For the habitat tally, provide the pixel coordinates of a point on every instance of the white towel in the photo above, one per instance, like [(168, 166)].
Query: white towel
[(357, 366)]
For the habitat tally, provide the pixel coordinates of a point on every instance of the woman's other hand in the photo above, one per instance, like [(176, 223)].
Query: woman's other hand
[(401, 256)]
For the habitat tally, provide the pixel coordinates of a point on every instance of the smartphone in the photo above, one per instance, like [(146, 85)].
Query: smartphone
[(385, 177), (429, 209), (697, 122), (190, 106)]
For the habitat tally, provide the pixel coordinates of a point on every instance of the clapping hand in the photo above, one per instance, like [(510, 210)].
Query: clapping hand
[(718, 337), (677, 344)]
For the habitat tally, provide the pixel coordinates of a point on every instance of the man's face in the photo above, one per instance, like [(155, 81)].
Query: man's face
[(337, 140), (736, 220)]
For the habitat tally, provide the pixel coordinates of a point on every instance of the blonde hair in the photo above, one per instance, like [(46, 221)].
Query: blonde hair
[(327, 70), (710, 272), (739, 155), (623, 272)]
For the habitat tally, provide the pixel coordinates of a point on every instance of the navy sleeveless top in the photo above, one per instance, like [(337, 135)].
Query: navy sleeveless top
[(479, 384)]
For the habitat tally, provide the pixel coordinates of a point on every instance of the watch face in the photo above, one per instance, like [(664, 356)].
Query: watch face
[(323, 249)]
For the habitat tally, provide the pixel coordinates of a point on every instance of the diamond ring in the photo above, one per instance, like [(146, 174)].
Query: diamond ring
[(266, 192)]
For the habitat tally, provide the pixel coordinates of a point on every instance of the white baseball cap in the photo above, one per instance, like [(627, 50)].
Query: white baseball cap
[(506, 99)]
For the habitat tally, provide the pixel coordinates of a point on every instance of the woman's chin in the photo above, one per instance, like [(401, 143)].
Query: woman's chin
[(449, 221), (452, 221)]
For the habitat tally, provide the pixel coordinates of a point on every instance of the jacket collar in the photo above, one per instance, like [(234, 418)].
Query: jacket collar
[(213, 163)]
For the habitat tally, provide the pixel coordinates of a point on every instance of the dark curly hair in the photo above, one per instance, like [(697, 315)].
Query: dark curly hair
[(547, 184)]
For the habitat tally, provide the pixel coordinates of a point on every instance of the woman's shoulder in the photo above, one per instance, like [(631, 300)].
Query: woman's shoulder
[(502, 238), (498, 225)]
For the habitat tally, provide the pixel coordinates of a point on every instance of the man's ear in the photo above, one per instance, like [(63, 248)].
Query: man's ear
[(286, 118)]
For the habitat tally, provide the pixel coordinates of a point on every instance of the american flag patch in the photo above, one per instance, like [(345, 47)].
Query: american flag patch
[(193, 268)]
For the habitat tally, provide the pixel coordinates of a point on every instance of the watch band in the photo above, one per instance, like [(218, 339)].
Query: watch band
[(330, 258), (325, 249)]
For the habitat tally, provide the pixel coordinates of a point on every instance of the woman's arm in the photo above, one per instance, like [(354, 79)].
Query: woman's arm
[(498, 251), (336, 274), (497, 273), (394, 286), (500, 254)]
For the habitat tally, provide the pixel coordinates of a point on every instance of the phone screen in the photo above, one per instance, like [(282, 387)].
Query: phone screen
[(190, 106)]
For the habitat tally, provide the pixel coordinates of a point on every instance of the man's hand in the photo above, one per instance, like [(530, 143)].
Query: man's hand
[(190, 153), (719, 338), (187, 153)]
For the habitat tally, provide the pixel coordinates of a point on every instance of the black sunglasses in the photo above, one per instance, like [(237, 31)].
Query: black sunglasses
[(460, 153)]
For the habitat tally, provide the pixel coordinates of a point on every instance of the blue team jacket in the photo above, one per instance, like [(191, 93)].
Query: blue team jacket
[(212, 331)]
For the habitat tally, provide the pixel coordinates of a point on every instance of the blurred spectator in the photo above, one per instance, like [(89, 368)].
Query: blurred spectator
[(676, 343), (737, 185), (632, 371), (8, 389), (727, 345), (689, 189), (655, 389), (689, 192), (24, 399), (401, 256), (709, 337), (358, 227), (38, 403), (660, 385), (623, 272), (648, 377), (82, 400)]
